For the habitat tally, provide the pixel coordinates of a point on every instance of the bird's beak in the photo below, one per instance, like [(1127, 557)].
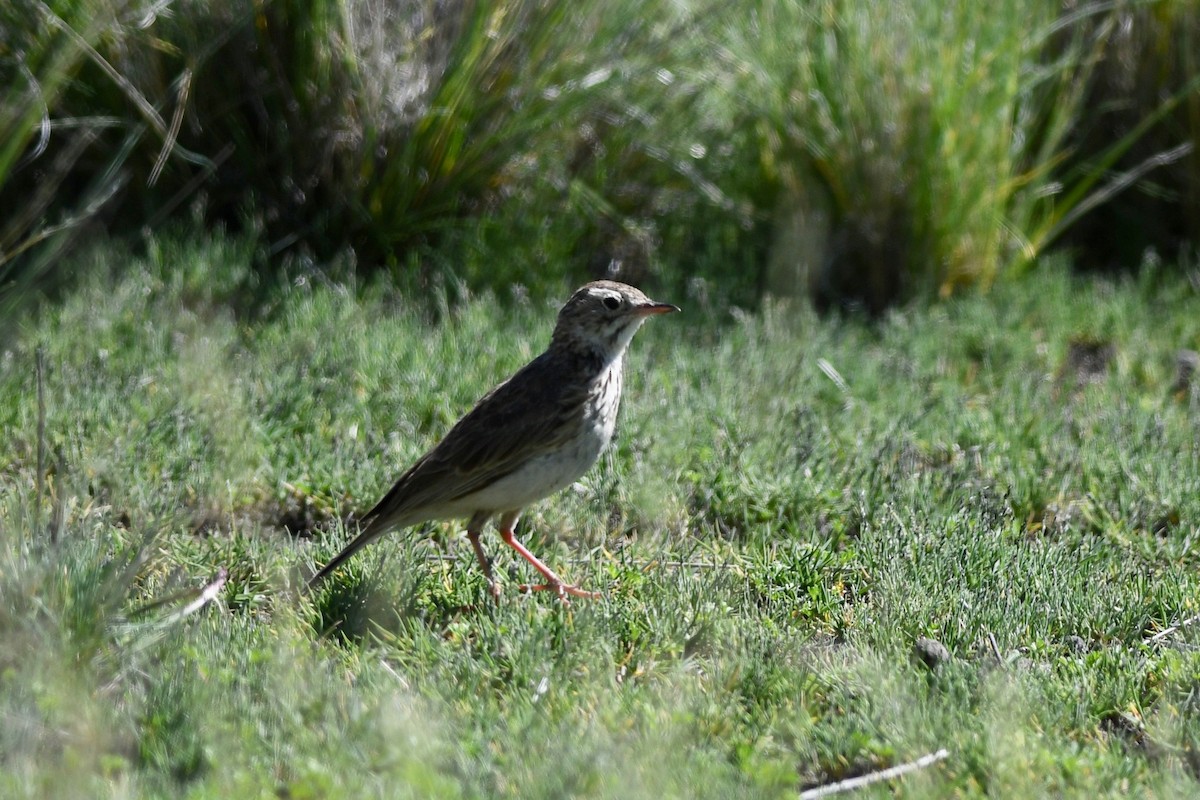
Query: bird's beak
[(656, 308)]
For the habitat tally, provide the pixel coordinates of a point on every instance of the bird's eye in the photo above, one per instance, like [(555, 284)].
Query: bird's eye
[(612, 303)]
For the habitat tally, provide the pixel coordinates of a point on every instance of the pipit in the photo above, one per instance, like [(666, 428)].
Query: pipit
[(531, 436)]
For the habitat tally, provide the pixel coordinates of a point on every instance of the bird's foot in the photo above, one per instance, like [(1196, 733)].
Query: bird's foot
[(553, 582), (561, 589)]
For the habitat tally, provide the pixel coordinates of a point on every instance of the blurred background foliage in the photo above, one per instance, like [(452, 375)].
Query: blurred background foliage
[(855, 152)]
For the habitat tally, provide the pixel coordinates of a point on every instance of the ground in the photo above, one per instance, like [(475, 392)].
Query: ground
[(826, 546)]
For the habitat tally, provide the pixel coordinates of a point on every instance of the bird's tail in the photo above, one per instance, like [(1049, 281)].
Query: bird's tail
[(368, 534)]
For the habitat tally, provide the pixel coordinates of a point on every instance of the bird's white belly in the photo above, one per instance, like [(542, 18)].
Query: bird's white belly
[(542, 476)]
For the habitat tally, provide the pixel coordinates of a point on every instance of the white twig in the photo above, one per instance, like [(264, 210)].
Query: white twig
[(1158, 637), (995, 649), (874, 777), (833, 375), (206, 596), (391, 671), (172, 136)]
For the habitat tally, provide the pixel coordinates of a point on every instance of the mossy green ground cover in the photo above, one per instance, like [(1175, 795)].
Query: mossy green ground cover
[(792, 501)]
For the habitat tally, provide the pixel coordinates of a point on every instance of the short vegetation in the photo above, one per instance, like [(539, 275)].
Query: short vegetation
[(791, 505), (917, 469)]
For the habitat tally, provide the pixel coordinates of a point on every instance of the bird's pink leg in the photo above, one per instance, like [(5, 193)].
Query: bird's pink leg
[(474, 528), (553, 582)]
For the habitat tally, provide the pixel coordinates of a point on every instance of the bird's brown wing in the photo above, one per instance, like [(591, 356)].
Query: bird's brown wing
[(532, 413)]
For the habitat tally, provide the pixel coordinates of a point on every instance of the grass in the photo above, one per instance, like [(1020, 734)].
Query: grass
[(849, 151), (327, 127), (792, 501), (39, 53), (952, 111)]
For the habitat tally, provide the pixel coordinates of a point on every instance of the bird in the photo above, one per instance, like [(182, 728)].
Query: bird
[(529, 437)]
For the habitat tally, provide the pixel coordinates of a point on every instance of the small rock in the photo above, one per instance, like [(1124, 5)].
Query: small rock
[(1076, 644), (1026, 665), (1131, 729), (1187, 365), (1088, 360), (931, 652)]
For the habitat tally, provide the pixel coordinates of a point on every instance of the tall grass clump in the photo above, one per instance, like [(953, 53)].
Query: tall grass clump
[(374, 126), (504, 142), (844, 149), (1148, 72), (53, 178), (906, 145)]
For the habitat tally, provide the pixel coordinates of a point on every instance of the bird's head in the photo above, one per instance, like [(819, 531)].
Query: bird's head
[(602, 316)]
